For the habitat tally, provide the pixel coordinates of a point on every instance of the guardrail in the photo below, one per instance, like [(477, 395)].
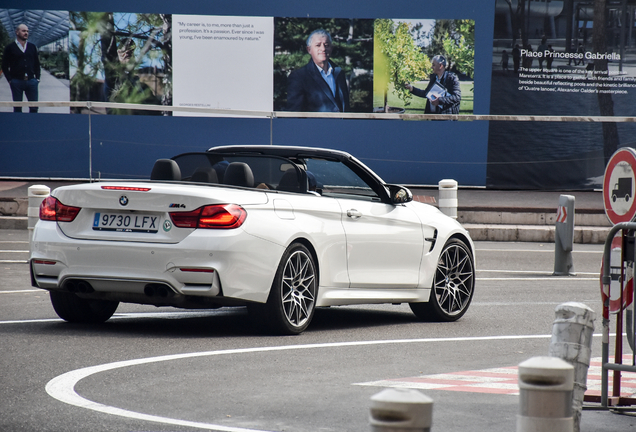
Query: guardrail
[(91, 106)]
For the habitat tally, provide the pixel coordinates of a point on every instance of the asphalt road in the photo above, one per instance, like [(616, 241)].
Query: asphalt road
[(163, 369)]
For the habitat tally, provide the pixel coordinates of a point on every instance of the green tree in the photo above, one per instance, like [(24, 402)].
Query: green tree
[(94, 56), (459, 46), (438, 34), (399, 60)]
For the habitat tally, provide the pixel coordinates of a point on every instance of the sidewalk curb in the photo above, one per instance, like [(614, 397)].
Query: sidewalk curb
[(534, 233), (13, 222)]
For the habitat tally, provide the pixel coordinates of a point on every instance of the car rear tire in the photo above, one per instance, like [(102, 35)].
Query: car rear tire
[(453, 285), (71, 308), (292, 298)]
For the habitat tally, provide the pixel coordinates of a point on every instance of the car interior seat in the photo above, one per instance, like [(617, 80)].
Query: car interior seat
[(165, 169), (204, 175), (239, 174), (289, 181)]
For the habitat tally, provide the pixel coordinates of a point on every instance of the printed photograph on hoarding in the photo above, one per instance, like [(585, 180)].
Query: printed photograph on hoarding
[(123, 58), (35, 58), (559, 58), (423, 66), (222, 62), (323, 65)]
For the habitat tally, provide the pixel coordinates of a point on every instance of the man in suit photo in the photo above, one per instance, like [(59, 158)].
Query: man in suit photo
[(320, 85), (21, 68)]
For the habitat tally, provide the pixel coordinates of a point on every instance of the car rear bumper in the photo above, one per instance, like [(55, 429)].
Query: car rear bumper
[(207, 263)]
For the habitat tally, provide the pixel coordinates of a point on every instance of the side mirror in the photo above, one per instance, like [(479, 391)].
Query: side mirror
[(400, 194)]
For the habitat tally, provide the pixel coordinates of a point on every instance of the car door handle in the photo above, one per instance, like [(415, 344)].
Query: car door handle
[(354, 214)]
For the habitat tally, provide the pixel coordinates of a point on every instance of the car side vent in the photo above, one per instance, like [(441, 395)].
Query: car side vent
[(433, 240)]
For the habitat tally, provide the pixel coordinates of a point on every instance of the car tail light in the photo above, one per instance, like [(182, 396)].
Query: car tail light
[(52, 209), (218, 216)]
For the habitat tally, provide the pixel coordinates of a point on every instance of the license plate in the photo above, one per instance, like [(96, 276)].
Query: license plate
[(133, 223)]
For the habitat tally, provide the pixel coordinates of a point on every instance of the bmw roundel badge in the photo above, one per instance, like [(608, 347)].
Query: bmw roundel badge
[(123, 200)]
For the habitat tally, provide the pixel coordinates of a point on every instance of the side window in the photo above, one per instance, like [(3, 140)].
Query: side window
[(335, 179)]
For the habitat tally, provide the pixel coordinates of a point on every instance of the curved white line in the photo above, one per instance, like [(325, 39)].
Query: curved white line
[(133, 315), (62, 387), (22, 291)]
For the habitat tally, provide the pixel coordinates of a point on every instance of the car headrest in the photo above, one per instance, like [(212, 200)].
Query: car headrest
[(204, 175), (220, 168), (165, 169), (289, 181), (239, 174)]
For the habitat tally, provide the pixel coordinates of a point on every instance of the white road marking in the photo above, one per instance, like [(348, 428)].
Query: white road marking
[(62, 387), (534, 272), (550, 278), (600, 252), (22, 291), (32, 321), (555, 303), (118, 316), (10, 251), (14, 261)]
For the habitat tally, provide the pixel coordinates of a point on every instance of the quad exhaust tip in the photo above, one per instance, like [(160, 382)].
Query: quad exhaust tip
[(157, 290), (79, 286), (82, 286)]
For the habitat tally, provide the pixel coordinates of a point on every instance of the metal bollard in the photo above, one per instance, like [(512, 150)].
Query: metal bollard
[(398, 409), (36, 194), (572, 333), (545, 395), (564, 237), (448, 197)]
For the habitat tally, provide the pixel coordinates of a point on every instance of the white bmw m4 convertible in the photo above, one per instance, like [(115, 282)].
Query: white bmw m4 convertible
[(281, 230)]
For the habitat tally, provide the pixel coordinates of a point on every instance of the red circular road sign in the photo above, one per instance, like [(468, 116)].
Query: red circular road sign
[(619, 186)]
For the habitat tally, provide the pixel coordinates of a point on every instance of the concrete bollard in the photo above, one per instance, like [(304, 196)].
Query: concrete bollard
[(448, 197), (36, 194), (398, 409), (572, 333), (564, 237), (545, 395)]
